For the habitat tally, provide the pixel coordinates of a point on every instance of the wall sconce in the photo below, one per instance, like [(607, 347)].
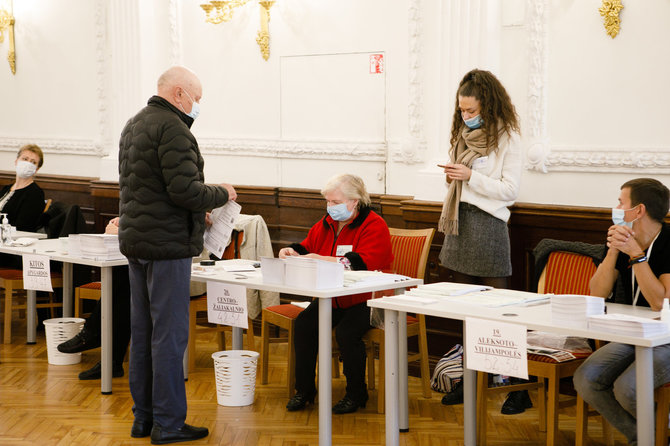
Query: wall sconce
[(7, 24), (222, 11)]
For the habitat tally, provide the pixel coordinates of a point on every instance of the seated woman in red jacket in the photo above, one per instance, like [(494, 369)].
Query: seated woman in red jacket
[(354, 235)]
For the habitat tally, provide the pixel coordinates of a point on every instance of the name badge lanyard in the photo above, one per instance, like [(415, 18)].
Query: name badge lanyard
[(632, 275)]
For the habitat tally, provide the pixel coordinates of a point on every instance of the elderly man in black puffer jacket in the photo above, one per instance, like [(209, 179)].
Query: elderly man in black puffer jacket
[(163, 201)]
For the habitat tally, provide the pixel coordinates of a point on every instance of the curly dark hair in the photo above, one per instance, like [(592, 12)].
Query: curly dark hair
[(496, 107)]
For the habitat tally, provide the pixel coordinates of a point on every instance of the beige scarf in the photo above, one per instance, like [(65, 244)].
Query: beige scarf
[(470, 146)]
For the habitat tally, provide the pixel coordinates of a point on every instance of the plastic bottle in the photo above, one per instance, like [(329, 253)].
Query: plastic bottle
[(5, 230), (665, 312)]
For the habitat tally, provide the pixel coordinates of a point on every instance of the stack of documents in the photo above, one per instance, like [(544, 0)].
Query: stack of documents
[(628, 325), (364, 277), (74, 245), (100, 246), (574, 309), (477, 295)]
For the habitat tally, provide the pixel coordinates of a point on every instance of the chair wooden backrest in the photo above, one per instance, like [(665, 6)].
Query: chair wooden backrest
[(410, 251), (566, 273)]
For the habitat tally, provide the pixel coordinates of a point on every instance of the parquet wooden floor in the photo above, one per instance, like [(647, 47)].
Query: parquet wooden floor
[(42, 404)]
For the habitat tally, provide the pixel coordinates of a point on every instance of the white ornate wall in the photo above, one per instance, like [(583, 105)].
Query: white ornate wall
[(592, 108)]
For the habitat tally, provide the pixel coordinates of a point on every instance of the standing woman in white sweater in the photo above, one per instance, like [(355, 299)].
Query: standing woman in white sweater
[(483, 180)]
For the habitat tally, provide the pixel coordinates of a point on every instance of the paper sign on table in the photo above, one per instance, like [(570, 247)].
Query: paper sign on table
[(36, 273), (227, 304), (496, 347)]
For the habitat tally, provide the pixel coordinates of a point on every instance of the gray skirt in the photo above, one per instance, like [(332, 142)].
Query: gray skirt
[(481, 247)]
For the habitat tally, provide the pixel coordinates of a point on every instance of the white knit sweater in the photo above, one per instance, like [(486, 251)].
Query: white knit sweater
[(494, 183)]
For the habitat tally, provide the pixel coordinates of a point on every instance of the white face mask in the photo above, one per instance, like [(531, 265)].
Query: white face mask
[(25, 169)]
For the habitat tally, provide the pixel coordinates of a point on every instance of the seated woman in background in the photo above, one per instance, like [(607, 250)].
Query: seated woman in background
[(355, 236), (23, 201)]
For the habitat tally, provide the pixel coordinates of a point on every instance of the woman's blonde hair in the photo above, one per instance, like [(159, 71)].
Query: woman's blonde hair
[(35, 149), (351, 186)]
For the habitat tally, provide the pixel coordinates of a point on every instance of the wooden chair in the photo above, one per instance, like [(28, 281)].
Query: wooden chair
[(199, 304), (410, 255), (410, 251), (564, 273), (11, 280), (88, 291)]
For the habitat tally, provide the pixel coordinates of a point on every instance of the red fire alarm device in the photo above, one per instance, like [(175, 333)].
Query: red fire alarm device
[(376, 63)]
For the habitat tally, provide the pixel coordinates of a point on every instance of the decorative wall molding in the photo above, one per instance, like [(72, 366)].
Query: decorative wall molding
[(101, 64), (407, 151), (604, 159), (538, 149), (412, 150), (301, 149), (175, 33), (54, 145)]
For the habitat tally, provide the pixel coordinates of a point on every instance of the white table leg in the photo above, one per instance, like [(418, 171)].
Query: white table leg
[(469, 400), (106, 330), (644, 381), (325, 371), (67, 290), (31, 322), (403, 403), (238, 343), (391, 376)]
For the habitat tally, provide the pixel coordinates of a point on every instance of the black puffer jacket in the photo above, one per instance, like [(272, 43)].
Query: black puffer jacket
[(163, 195)]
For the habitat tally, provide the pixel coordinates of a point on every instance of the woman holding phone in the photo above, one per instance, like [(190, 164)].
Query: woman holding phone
[(482, 177)]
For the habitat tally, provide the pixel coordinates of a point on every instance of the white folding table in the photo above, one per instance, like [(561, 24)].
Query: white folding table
[(254, 280), (52, 249), (534, 318)]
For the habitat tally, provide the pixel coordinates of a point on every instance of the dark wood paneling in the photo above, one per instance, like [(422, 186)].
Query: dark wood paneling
[(290, 212)]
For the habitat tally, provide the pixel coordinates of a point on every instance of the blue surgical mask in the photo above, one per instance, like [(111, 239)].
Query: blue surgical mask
[(339, 212), (195, 107), (618, 217), (475, 122)]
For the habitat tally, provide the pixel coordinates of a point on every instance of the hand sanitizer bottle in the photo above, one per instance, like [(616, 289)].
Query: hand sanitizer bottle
[(6, 230), (665, 312)]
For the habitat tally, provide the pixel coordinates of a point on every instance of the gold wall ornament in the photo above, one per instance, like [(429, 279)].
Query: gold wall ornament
[(610, 11), (7, 24), (263, 37), (222, 11)]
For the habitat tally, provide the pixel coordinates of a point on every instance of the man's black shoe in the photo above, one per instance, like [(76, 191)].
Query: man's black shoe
[(141, 428), (84, 340), (160, 435), (347, 405), (516, 402), (96, 371), (455, 396), (299, 401)]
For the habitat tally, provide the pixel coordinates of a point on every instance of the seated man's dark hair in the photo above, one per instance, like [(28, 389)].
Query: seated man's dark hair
[(652, 194)]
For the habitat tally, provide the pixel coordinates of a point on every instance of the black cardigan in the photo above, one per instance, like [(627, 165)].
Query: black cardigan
[(24, 207)]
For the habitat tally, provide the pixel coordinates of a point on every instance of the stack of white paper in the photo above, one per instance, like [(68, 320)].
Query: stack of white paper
[(364, 277), (303, 272), (74, 245), (448, 289), (575, 309), (478, 295), (627, 325), (100, 246)]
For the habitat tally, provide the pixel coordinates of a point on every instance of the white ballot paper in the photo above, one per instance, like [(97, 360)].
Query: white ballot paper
[(217, 235), (36, 273), (227, 304), (496, 347)]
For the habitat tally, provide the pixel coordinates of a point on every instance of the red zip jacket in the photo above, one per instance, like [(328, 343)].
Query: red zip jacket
[(370, 243)]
